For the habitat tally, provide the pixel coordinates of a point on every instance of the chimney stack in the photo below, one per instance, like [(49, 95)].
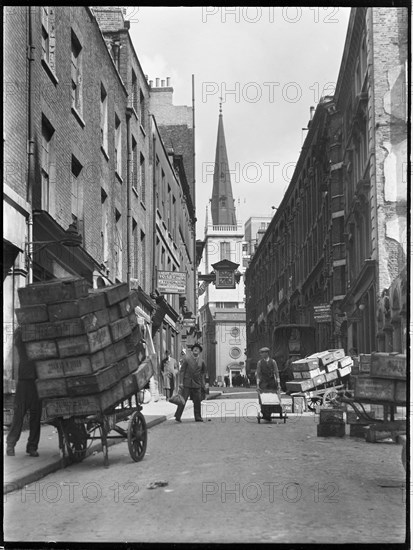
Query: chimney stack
[(157, 83)]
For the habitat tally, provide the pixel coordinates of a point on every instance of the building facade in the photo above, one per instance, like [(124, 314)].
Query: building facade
[(78, 144), (222, 310), (325, 272)]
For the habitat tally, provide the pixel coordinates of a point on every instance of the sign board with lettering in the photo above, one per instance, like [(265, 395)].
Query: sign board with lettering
[(322, 313), (171, 282)]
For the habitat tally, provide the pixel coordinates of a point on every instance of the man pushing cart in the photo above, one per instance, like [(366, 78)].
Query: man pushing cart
[(268, 387)]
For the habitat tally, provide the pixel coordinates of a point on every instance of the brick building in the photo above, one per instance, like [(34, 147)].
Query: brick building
[(329, 270), (78, 141)]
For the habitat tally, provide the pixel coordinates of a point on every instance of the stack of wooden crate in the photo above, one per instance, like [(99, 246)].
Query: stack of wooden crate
[(83, 344), (319, 369)]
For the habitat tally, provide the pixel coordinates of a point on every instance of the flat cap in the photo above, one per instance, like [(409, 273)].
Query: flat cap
[(196, 345), (264, 349)]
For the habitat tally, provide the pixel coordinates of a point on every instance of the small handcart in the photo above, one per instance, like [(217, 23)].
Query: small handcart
[(270, 403), (75, 431)]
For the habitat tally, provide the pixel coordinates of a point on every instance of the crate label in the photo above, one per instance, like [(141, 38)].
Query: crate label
[(374, 388), (120, 329), (99, 339), (41, 350), (386, 365), (75, 345), (94, 320)]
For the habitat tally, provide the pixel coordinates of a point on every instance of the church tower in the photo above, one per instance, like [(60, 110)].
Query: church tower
[(222, 310)]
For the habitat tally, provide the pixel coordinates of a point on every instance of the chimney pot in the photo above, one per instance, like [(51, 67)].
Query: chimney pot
[(151, 83), (157, 82), (146, 76), (168, 81), (162, 83)]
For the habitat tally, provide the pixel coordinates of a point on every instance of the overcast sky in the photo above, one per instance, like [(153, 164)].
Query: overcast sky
[(269, 65)]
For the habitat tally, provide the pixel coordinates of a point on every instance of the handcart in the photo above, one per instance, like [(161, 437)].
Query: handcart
[(75, 431), (325, 396), (270, 403)]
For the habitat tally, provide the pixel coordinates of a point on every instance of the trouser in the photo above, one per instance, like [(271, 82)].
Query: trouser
[(170, 383), (195, 394), (26, 399)]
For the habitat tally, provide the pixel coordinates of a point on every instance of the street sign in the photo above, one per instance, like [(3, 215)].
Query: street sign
[(171, 282)]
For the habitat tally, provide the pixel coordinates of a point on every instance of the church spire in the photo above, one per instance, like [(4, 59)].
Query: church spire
[(222, 203)]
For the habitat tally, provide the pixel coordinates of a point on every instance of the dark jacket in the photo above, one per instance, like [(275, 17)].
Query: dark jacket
[(193, 372)]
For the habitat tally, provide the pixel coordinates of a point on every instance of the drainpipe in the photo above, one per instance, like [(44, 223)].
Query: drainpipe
[(154, 214), (30, 154), (193, 198), (129, 196)]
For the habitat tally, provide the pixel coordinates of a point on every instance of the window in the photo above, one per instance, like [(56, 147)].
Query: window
[(134, 92), (142, 108), (47, 164), (77, 77), (105, 224), (118, 146), (77, 193), (48, 36), (135, 172), (142, 177), (225, 251), (118, 245), (104, 118)]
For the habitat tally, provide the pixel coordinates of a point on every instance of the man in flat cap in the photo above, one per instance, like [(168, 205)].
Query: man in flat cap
[(268, 378), (192, 376)]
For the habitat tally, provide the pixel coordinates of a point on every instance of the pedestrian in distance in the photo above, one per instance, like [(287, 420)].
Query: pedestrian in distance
[(169, 369), (26, 399), (268, 378), (192, 382)]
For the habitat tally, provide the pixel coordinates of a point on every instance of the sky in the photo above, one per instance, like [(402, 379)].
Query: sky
[(269, 65)]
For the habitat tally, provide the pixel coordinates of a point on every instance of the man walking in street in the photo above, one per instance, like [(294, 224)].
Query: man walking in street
[(26, 399), (268, 378), (192, 378), (169, 368)]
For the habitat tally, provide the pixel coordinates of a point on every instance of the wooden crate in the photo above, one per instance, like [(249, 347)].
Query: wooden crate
[(358, 430), (133, 339), (345, 362), (120, 329), (144, 373), (95, 320), (99, 339), (319, 380), (331, 430), (337, 353), (331, 416), (52, 387), (310, 373), (50, 330), (299, 385), (323, 357), (114, 293), (306, 364), (70, 366), (76, 308), (93, 383), (73, 346), (56, 290), (388, 365), (43, 349), (374, 389), (344, 371), (330, 376), (115, 352), (69, 406), (299, 404), (32, 314), (130, 385), (332, 366)]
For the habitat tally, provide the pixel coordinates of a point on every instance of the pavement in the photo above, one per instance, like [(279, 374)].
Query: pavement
[(22, 469)]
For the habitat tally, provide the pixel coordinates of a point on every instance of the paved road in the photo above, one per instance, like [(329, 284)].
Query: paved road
[(229, 480)]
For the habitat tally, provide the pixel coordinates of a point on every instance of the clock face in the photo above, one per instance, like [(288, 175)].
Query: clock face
[(225, 279)]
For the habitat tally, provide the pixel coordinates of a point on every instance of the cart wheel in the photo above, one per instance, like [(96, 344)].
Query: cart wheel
[(137, 436), (313, 403), (329, 398), (75, 436)]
